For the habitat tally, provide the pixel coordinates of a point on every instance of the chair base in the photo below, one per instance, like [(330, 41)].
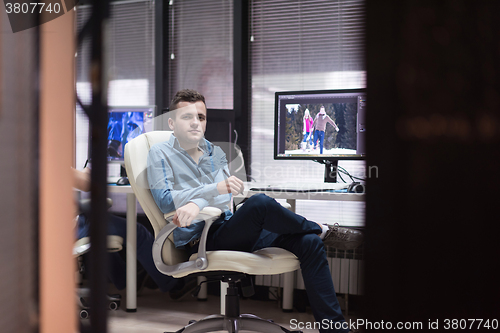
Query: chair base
[(82, 297), (233, 321), (244, 322)]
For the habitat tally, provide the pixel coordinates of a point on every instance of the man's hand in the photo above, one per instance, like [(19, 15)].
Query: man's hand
[(231, 185), (185, 215)]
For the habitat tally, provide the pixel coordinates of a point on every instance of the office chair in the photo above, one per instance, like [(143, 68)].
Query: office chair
[(229, 266), (82, 246)]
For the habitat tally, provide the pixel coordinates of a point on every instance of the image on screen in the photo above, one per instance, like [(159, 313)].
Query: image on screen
[(312, 128), (123, 126), (320, 124)]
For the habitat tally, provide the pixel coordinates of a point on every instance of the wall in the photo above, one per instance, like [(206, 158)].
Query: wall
[(18, 179), (57, 210)]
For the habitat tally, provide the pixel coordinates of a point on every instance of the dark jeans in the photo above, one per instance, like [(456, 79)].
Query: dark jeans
[(321, 136), (263, 222), (117, 266)]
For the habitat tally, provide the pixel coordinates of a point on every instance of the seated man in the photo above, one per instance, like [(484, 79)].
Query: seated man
[(117, 267), (187, 173)]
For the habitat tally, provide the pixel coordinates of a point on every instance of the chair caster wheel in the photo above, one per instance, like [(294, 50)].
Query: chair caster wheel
[(84, 314), (114, 301), (114, 306)]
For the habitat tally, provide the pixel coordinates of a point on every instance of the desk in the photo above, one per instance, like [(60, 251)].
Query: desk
[(291, 198), (297, 195), (131, 244)]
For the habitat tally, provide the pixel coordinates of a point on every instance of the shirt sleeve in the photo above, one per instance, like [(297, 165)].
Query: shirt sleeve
[(328, 119)]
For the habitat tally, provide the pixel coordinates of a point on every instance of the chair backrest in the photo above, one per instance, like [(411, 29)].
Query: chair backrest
[(136, 158)]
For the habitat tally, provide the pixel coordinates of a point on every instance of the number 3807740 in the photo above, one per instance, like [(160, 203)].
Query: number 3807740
[(32, 8)]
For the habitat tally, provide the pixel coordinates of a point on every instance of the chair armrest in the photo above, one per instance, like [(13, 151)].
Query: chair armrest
[(209, 215)]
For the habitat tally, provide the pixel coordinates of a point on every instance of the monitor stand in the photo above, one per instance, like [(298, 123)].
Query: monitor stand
[(330, 170)]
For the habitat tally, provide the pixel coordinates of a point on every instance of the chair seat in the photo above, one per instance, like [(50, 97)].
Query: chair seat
[(268, 261), (82, 245)]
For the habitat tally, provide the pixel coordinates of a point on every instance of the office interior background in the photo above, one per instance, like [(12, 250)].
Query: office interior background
[(431, 70)]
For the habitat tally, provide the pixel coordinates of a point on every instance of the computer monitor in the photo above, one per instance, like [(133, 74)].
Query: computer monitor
[(124, 124), (323, 125)]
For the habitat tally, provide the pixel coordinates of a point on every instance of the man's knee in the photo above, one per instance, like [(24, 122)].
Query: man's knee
[(258, 200), (257, 205)]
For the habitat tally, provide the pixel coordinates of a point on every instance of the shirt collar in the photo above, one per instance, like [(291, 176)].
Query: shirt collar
[(204, 144)]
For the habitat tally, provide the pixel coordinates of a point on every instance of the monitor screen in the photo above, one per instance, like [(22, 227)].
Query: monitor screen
[(320, 125), (124, 124)]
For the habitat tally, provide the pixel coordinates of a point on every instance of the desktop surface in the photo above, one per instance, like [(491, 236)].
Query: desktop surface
[(302, 191)]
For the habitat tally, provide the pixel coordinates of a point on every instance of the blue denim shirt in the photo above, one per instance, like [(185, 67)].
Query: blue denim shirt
[(175, 180)]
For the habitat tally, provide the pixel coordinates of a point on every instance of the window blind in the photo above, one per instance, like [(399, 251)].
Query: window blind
[(201, 49), (130, 62), (303, 45), (131, 52)]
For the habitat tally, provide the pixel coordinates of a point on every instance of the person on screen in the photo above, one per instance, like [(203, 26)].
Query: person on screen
[(319, 128), (177, 288), (307, 129), (188, 173)]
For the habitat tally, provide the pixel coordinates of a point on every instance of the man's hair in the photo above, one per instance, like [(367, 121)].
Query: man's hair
[(186, 95)]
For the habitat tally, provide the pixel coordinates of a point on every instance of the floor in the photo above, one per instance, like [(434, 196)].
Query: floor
[(157, 313)]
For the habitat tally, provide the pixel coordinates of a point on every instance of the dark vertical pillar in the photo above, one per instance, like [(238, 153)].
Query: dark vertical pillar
[(98, 215), (434, 136), (161, 55), (241, 85)]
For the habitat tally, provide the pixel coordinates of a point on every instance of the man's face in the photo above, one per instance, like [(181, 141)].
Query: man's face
[(190, 122)]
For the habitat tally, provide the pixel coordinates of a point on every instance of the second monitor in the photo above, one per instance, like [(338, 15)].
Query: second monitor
[(124, 124)]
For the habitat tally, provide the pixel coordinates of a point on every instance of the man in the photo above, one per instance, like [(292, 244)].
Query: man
[(320, 126), (188, 173)]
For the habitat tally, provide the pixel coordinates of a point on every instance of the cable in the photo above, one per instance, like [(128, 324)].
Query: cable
[(344, 171), (340, 176)]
